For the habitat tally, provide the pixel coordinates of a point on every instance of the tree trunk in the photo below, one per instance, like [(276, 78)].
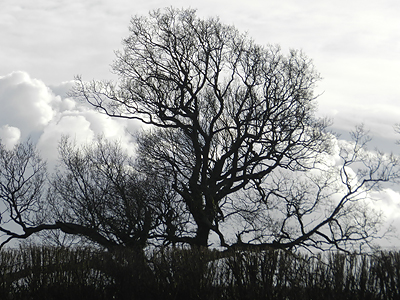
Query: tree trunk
[(202, 233)]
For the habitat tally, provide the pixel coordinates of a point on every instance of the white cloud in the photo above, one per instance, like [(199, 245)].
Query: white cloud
[(9, 136), (29, 108), (387, 201), (82, 125), (25, 103), (75, 126)]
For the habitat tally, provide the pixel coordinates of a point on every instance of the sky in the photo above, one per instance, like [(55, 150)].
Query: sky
[(355, 45)]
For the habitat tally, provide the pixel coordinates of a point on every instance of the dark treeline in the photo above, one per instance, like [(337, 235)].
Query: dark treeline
[(86, 273)]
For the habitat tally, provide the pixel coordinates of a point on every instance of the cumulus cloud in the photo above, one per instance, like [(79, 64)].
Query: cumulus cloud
[(25, 103), (31, 109), (62, 89), (9, 136), (75, 126), (387, 201), (83, 126)]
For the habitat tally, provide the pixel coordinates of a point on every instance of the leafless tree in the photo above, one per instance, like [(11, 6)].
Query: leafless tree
[(22, 179), (96, 193), (228, 111), (328, 206)]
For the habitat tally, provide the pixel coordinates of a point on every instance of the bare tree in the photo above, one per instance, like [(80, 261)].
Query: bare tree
[(328, 206), (228, 111), (22, 179), (98, 193)]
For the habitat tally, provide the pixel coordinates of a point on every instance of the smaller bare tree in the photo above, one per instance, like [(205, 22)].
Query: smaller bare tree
[(97, 193), (22, 179), (327, 207)]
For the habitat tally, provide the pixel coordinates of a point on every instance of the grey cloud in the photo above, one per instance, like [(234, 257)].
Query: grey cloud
[(62, 89)]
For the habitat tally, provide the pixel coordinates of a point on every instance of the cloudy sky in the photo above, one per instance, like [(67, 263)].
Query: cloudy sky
[(355, 45)]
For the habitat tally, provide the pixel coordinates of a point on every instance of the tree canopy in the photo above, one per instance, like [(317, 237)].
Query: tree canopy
[(229, 111)]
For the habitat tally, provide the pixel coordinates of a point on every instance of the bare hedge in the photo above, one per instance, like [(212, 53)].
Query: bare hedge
[(86, 273)]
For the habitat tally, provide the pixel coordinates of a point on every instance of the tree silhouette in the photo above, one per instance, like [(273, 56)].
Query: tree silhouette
[(228, 117), (232, 132), (96, 193), (229, 111)]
